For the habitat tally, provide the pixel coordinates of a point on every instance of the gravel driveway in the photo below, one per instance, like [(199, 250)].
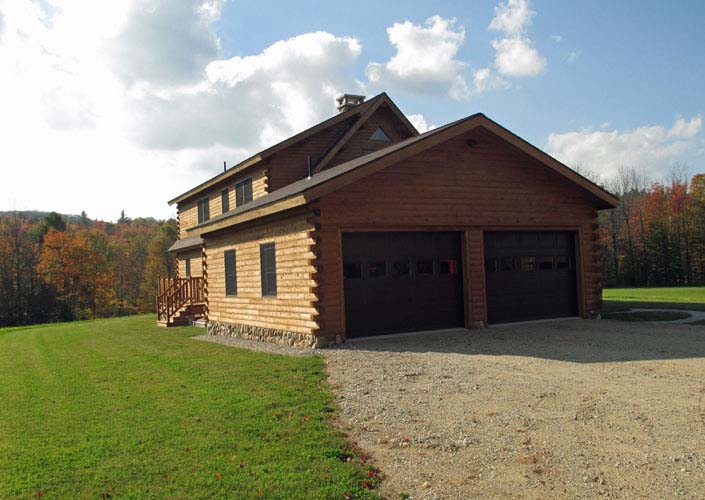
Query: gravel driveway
[(569, 409)]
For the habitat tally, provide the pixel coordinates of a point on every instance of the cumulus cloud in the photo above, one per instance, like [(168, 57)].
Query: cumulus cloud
[(420, 123), (425, 60), (166, 42), (250, 102), (514, 54), (140, 134), (516, 57), (652, 148)]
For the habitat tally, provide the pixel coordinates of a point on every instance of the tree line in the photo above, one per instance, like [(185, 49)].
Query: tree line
[(59, 268), (62, 268), (656, 237)]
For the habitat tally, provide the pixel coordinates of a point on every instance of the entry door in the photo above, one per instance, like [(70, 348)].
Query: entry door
[(530, 275), (401, 281)]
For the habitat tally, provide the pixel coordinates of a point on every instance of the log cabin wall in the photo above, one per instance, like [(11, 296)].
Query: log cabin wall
[(360, 143), (470, 184), (196, 263), (291, 164), (188, 211), (290, 317)]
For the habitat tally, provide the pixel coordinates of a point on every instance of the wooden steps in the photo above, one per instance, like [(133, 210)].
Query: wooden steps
[(180, 301), (186, 315)]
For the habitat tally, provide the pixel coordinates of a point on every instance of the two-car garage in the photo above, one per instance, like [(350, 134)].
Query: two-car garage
[(410, 281)]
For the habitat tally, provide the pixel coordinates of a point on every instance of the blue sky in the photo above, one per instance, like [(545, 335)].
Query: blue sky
[(150, 97), (638, 62)]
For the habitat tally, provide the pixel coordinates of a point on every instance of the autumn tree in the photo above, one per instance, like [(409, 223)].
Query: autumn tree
[(159, 263)]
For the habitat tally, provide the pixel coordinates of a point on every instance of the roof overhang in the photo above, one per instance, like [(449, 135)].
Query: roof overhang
[(362, 110), (186, 244), (302, 192)]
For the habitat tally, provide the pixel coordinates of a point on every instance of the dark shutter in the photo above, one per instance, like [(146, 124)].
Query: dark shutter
[(203, 210), (268, 269), (188, 267), (243, 192), (230, 273), (225, 199)]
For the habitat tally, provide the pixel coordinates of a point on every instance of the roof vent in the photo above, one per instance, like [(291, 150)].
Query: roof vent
[(349, 101)]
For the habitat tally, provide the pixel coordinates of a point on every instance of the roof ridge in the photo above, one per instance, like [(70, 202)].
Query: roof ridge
[(270, 150)]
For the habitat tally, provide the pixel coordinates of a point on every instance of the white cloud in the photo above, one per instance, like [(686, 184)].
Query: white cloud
[(514, 55), (512, 17), (573, 56), (683, 129), (425, 59), (104, 132), (652, 148), (166, 42), (557, 38), (517, 58), (419, 122), (426, 62), (250, 102)]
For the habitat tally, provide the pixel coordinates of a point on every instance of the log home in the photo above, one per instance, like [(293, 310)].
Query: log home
[(362, 226)]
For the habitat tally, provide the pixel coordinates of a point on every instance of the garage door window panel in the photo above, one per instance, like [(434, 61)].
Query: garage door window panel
[(546, 263), (424, 267), (377, 269), (527, 264), (447, 266), (508, 264), (401, 268)]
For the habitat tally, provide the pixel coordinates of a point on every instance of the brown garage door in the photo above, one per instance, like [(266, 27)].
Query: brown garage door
[(530, 275), (401, 281)]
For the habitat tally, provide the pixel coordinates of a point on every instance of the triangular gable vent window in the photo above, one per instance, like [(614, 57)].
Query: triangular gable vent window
[(380, 135)]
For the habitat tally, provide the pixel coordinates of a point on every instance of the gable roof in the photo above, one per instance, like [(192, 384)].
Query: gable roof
[(301, 192), (365, 110)]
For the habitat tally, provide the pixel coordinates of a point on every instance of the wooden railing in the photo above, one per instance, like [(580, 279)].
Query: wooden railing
[(175, 293)]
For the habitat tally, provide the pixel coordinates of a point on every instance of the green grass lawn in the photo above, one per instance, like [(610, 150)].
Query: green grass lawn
[(122, 409), (621, 299), (646, 316)]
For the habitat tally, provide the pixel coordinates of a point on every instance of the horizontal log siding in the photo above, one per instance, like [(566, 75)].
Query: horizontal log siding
[(359, 142), (291, 164), (294, 307), (188, 211), (453, 186), (196, 263)]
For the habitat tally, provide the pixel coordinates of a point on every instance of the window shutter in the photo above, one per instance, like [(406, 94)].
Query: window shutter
[(225, 199), (188, 267), (248, 190), (268, 269), (230, 273)]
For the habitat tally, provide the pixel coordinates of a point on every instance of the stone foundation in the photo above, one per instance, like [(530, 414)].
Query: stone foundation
[(270, 335)]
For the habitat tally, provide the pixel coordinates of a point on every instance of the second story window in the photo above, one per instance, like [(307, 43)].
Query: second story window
[(225, 199), (203, 210), (243, 192)]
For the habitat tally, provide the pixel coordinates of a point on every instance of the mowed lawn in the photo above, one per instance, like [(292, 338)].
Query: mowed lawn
[(695, 294), (122, 409), (618, 299)]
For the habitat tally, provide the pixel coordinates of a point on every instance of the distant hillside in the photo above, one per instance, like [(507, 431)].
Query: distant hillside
[(37, 215)]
